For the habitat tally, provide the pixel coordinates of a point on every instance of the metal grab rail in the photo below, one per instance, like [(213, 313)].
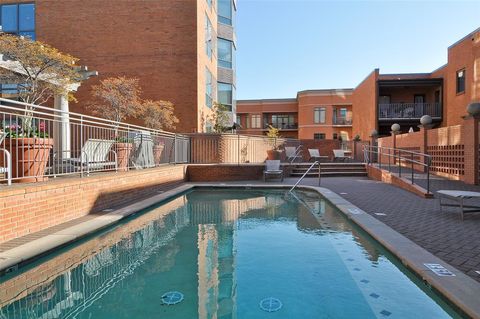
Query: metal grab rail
[(305, 174), (396, 154)]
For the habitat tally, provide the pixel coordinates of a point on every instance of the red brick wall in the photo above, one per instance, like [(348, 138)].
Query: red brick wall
[(155, 41), (30, 208), (224, 172), (365, 106)]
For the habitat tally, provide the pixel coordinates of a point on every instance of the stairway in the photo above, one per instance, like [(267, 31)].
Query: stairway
[(330, 170)]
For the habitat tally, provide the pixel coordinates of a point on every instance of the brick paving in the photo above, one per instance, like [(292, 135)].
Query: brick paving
[(444, 234)]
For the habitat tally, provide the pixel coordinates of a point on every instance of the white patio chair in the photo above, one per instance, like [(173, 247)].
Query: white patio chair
[(94, 155), (340, 155), (7, 160), (315, 155), (293, 153), (272, 167)]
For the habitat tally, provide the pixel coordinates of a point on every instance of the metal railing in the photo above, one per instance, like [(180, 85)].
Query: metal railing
[(342, 121), (45, 142), (395, 159), (305, 174), (408, 110)]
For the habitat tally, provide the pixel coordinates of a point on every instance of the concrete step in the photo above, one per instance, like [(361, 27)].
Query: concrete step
[(331, 174), (330, 169)]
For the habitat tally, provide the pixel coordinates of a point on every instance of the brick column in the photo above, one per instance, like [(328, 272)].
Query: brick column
[(470, 133)]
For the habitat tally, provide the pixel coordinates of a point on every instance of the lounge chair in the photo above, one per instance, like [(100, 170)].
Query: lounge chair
[(272, 168), (293, 153), (315, 155), (7, 160), (340, 155), (94, 155), (458, 197)]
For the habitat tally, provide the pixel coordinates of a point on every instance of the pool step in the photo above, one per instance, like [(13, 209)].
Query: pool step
[(330, 170)]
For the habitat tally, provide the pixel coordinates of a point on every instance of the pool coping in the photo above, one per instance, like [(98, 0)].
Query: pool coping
[(461, 290)]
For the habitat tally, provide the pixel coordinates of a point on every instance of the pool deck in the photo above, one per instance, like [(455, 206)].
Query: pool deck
[(423, 234)]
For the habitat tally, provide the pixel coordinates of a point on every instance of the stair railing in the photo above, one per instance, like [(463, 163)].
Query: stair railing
[(305, 174)]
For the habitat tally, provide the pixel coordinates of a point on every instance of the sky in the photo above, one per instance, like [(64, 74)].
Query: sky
[(286, 46)]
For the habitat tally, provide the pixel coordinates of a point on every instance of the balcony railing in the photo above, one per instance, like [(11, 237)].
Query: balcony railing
[(342, 121), (281, 126), (409, 110)]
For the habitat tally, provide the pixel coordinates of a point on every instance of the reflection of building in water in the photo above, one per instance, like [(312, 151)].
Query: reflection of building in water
[(78, 287)]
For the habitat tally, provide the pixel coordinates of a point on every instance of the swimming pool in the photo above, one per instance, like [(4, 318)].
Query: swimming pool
[(224, 253)]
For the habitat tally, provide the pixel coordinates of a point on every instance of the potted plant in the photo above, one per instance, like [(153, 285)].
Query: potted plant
[(273, 133), (38, 72), (159, 115), (118, 98)]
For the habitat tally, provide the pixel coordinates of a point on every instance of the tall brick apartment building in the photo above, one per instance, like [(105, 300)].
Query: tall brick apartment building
[(376, 103), (182, 51)]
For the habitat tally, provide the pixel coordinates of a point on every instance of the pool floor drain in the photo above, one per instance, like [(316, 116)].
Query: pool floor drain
[(172, 297), (270, 304)]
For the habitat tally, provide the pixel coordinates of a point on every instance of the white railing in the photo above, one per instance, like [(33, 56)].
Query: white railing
[(58, 143), (408, 110)]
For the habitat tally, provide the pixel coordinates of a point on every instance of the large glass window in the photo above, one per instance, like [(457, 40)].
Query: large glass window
[(225, 11), (319, 115), (208, 37), (208, 88), (461, 81), (319, 136), (225, 53), (256, 121), (225, 95), (18, 19), (283, 121)]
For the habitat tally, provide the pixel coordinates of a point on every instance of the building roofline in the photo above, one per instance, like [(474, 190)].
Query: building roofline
[(285, 100), (439, 68), (376, 70), (465, 37), (403, 74), (325, 91)]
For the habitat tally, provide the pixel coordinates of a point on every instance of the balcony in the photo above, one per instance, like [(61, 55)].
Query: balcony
[(409, 111), (281, 126), (342, 121)]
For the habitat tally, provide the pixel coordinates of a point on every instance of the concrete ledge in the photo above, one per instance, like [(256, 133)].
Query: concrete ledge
[(389, 178)]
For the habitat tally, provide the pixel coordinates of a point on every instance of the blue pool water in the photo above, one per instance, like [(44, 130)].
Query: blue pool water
[(217, 254)]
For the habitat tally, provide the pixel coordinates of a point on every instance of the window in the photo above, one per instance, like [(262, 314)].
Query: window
[(284, 121), (461, 81), (208, 37), (208, 88), (319, 136), (319, 115), (239, 120), (335, 136), (225, 95), (225, 12), (225, 53), (256, 121), (18, 19), (343, 112)]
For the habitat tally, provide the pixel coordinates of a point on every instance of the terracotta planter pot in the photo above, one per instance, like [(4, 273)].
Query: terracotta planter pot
[(273, 155), (29, 158), (123, 151), (157, 153)]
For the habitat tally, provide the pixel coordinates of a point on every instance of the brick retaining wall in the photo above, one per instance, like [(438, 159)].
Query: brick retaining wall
[(28, 208)]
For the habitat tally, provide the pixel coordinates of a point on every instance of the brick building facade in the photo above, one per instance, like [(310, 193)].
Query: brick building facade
[(376, 103), (181, 51)]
